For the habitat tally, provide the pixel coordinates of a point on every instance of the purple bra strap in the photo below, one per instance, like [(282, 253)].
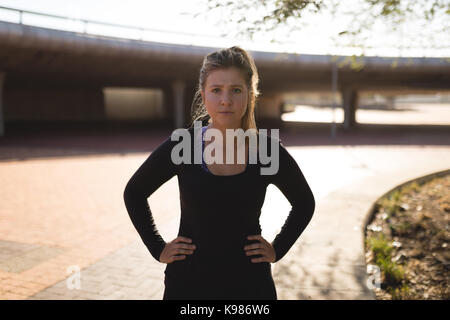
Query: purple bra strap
[(203, 148)]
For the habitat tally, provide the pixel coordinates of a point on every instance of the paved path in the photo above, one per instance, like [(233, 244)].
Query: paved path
[(61, 207)]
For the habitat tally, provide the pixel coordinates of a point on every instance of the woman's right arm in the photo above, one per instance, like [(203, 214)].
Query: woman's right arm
[(155, 171)]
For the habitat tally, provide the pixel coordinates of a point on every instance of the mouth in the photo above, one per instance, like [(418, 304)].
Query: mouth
[(226, 112)]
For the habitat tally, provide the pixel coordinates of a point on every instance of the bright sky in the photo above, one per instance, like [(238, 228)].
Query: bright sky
[(169, 15)]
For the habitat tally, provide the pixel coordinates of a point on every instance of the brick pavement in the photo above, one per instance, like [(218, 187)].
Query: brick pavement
[(62, 206), (61, 212), (127, 273)]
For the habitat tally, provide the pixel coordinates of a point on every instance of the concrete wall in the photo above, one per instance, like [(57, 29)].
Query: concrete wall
[(52, 104), (133, 103)]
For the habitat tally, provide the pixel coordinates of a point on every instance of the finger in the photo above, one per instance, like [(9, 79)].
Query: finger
[(183, 251), (255, 237), (185, 246), (253, 246), (258, 260), (183, 239), (255, 252), (175, 258)]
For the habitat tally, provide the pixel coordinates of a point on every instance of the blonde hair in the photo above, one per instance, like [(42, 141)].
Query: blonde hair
[(222, 59)]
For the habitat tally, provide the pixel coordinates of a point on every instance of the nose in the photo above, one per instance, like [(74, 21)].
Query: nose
[(226, 99)]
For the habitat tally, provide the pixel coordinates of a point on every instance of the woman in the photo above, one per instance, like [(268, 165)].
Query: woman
[(219, 252)]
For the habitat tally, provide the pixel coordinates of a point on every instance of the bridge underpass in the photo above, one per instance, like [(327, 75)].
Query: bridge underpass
[(52, 75)]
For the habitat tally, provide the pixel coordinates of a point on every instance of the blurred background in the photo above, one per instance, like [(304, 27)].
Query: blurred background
[(110, 62)]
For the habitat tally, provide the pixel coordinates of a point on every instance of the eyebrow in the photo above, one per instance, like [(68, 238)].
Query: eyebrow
[(219, 85)]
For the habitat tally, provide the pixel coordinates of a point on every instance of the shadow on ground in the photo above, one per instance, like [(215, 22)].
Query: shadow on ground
[(29, 141), (301, 276)]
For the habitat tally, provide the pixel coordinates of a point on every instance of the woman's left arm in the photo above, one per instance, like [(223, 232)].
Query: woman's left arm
[(292, 183)]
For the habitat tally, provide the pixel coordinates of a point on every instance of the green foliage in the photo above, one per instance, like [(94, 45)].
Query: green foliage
[(400, 228), (411, 187), (394, 274), (391, 203), (264, 16), (399, 293), (379, 246)]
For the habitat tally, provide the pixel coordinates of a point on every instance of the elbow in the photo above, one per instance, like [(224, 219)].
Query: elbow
[(133, 192), (129, 192), (312, 205), (126, 194)]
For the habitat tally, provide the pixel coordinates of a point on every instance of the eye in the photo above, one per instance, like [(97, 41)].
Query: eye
[(215, 90), (237, 90)]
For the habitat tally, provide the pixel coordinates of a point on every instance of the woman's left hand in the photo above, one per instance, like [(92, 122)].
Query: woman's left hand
[(263, 248)]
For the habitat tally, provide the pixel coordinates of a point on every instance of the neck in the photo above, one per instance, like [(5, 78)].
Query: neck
[(224, 135), (222, 129)]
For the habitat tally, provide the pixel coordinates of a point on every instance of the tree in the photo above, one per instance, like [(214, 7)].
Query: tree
[(405, 24)]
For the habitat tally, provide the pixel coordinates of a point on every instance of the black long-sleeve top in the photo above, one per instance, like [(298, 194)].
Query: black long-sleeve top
[(218, 212)]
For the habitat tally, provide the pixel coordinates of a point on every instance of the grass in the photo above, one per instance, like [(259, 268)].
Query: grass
[(390, 203), (393, 274), (400, 220), (380, 247), (401, 228), (399, 293), (411, 187)]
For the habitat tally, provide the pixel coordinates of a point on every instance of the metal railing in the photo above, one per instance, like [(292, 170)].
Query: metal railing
[(86, 23)]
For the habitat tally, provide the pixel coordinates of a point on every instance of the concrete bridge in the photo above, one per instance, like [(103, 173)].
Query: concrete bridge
[(53, 75)]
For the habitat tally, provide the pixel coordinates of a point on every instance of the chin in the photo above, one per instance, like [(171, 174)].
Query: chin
[(230, 124)]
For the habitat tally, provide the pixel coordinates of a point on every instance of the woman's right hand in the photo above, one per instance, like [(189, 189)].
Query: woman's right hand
[(176, 250)]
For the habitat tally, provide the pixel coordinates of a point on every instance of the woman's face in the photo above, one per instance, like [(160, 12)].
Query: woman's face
[(225, 96)]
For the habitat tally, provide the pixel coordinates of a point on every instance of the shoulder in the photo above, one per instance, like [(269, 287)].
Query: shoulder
[(179, 145), (169, 141), (178, 135), (270, 138), (277, 151)]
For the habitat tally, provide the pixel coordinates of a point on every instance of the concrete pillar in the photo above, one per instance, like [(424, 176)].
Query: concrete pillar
[(2, 114), (189, 94), (350, 102), (390, 101), (268, 109), (178, 98), (168, 109)]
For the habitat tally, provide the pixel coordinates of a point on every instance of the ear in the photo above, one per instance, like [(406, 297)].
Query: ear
[(203, 95)]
